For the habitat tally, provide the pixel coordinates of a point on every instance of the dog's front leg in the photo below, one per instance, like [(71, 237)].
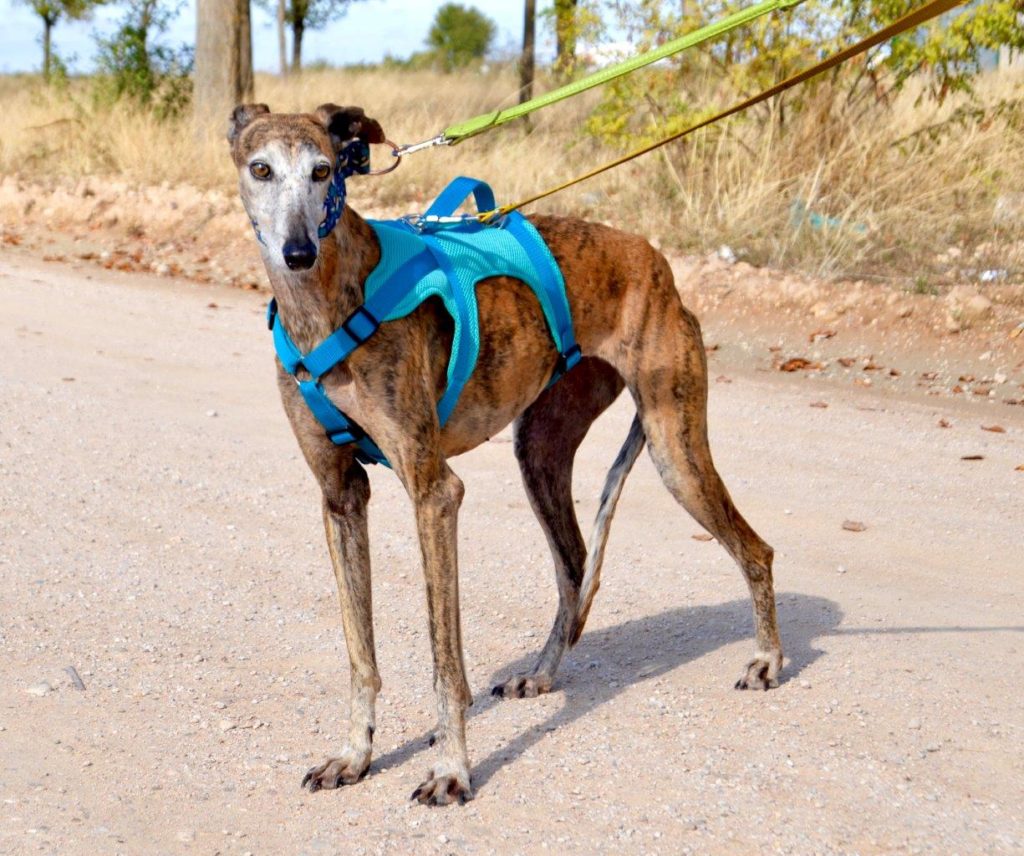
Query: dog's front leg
[(345, 519), (437, 496)]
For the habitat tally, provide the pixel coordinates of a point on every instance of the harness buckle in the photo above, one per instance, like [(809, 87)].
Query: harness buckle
[(568, 360), (360, 317), (346, 436)]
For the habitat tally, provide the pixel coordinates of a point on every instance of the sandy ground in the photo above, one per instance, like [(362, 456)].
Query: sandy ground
[(160, 534)]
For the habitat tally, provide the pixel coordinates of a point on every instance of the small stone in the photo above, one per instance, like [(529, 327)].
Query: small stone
[(212, 414), (186, 836), (932, 747), (226, 725), (805, 685), (41, 689), (914, 725)]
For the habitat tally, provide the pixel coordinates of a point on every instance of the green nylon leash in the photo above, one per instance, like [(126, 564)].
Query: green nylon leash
[(460, 131)]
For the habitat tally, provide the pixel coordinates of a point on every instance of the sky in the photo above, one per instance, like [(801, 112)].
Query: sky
[(368, 31)]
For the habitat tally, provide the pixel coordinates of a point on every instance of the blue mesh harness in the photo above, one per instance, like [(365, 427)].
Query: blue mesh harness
[(435, 255)]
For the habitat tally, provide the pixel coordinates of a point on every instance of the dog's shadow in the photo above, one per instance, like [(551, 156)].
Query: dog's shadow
[(605, 662)]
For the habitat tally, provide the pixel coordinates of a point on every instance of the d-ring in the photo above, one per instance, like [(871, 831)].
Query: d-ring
[(394, 166)]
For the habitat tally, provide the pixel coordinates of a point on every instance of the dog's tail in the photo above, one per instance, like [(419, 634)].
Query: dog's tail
[(599, 537)]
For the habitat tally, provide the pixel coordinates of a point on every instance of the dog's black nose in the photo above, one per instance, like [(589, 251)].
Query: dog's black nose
[(299, 255)]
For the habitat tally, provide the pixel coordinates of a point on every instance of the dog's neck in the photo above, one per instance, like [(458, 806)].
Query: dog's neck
[(312, 304)]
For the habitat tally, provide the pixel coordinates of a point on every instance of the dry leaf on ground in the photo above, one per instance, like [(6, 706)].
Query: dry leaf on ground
[(797, 364), (945, 423), (854, 526), (972, 457), (995, 429), (702, 537), (820, 404)]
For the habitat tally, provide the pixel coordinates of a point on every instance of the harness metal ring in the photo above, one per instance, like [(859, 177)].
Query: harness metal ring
[(394, 166)]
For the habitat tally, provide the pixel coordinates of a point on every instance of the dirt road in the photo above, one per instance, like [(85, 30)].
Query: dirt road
[(160, 534)]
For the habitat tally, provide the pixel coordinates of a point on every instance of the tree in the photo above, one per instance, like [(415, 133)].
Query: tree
[(133, 63), (223, 60), (565, 36), (460, 35), (52, 11), (302, 15), (945, 56), (527, 63), (282, 45)]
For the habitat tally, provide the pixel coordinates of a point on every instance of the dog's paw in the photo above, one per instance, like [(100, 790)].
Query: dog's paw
[(762, 673), (526, 686), (335, 772), (444, 788)]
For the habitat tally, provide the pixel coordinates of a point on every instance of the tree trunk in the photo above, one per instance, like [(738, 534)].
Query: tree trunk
[(282, 45), (245, 74), (527, 62), (223, 59), (298, 28), (565, 36), (47, 52)]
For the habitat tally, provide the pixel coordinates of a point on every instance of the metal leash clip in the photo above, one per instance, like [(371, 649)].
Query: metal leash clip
[(409, 148)]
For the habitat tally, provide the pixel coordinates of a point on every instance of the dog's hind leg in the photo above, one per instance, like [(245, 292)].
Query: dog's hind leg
[(667, 375), (547, 436), (346, 491)]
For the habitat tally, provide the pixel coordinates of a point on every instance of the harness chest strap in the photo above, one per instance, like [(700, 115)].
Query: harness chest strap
[(437, 258)]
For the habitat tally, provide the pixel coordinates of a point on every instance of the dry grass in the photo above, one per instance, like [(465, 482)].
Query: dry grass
[(874, 207)]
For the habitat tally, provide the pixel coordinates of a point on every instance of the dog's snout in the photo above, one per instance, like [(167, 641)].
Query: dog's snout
[(299, 255)]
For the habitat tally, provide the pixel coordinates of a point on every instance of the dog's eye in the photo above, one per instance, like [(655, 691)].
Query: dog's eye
[(259, 170), (321, 172)]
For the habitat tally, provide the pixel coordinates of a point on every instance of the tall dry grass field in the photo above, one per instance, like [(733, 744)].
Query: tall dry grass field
[(887, 196)]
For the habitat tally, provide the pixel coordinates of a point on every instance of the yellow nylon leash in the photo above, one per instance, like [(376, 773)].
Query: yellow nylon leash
[(912, 19)]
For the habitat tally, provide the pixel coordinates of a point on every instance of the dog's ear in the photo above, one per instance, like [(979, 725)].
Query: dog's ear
[(345, 123), (241, 116)]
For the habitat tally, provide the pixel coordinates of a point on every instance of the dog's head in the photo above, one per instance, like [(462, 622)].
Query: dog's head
[(286, 164)]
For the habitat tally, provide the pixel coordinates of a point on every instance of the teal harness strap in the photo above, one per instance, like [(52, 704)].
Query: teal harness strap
[(437, 255)]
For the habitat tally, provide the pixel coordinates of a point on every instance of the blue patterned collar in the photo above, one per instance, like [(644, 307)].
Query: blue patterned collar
[(353, 159)]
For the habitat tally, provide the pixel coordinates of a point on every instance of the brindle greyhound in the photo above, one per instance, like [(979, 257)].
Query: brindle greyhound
[(635, 333)]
